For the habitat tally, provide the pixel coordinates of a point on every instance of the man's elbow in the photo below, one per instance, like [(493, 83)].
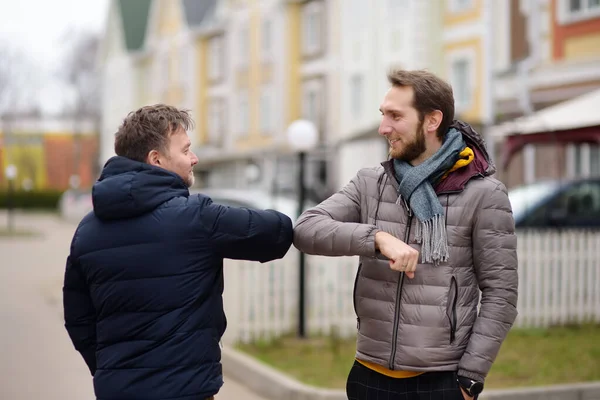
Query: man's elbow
[(284, 239)]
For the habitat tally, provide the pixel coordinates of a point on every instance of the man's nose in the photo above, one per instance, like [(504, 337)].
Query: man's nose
[(194, 159), (384, 128)]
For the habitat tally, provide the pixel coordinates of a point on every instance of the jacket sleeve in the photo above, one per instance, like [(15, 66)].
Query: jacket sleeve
[(79, 314), (495, 261), (245, 234), (333, 227)]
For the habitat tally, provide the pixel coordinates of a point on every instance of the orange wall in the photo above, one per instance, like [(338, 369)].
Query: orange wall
[(60, 157), (562, 33)]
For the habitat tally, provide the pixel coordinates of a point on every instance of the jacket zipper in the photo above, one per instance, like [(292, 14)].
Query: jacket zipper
[(454, 319), (399, 291), (354, 296)]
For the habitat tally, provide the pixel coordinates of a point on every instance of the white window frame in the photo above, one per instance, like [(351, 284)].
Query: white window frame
[(460, 6), (566, 16), (243, 108), (469, 56), (216, 121), (583, 163), (312, 87), (357, 94), (312, 10), (243, 39), (529, 172), (216, 57), (161, 70), (266, 40), (267, 113)]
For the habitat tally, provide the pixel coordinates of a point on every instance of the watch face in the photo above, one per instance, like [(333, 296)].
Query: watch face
[(476, 388)]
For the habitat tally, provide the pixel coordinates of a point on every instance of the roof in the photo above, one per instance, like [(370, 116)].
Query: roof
[(134, 18), (579, 112), (197, 12)]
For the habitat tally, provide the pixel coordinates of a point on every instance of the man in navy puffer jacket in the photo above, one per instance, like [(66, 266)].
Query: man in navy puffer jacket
[(144, 279)]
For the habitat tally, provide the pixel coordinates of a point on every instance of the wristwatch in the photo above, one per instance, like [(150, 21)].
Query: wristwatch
[(473, 388)]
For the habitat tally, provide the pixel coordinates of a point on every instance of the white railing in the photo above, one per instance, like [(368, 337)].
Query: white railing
[(559, 283), (559, 278)]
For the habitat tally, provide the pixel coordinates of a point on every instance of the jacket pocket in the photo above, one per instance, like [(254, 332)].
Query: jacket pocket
[(354, 296), (451, 308)]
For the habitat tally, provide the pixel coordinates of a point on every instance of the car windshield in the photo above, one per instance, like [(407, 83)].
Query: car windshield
[(524, 197)]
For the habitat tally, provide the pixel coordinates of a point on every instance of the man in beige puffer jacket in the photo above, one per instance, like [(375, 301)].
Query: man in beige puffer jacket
[(433, 230)]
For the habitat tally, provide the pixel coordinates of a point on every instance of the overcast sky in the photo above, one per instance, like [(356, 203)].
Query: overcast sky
[(37, 28)]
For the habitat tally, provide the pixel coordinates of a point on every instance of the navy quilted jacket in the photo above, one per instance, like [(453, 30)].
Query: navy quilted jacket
[(144, 282)]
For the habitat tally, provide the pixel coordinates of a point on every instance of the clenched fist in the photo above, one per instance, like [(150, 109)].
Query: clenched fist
[(402, 257)]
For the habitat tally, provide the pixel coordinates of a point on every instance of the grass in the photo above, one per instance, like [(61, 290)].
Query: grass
[(5, 233), (527, 358)]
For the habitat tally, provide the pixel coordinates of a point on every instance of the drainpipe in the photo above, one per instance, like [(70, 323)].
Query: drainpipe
[(531, 8)]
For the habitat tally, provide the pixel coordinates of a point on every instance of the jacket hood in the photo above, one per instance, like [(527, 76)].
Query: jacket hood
[(128, 188), (475, 141)]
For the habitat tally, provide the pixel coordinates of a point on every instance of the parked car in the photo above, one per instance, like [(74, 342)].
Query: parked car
[(254, 199), (557, 204)]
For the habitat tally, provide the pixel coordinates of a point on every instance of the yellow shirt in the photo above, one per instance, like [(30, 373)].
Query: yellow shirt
[(388, 372)]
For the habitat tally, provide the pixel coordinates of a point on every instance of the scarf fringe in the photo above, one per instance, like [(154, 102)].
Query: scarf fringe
[(431, 234)]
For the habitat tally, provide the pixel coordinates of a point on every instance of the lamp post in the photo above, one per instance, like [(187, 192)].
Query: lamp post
[(11, 174), (302, 137)]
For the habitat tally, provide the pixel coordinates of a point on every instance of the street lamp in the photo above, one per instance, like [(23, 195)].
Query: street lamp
[(11, 174), (302, 137)]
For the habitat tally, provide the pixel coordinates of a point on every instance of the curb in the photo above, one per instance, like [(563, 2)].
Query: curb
[(272, 384)]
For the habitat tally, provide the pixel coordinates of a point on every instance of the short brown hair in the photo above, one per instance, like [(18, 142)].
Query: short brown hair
[(149, 128), (430, 93)]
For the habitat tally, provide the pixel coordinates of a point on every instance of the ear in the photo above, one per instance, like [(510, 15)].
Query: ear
[(433, 121), (153, 158)]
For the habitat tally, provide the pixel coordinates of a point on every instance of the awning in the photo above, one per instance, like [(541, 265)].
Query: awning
[(573, 121)]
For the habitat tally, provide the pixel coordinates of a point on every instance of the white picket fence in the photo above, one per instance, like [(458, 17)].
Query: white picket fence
[(559, 283)]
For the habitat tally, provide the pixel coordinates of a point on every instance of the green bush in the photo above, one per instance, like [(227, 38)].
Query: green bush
[(33, 200)]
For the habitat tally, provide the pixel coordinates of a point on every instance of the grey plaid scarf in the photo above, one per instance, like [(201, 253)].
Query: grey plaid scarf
[(416, 186)]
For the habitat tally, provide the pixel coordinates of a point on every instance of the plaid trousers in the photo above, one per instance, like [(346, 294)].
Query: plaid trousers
[(365, 384)]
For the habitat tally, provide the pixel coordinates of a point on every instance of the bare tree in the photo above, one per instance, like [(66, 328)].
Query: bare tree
[(16, 95), (15, 73), (79, 71)]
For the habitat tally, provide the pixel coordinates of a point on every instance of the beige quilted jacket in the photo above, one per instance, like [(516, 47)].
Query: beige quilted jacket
[(431, 322)]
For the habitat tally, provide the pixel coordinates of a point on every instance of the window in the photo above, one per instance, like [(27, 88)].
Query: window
[(457, 6), (244, 46), (266, 111), (583, 160), (186, 74), (215, 122), (266, 42), (356, 95), (216, 58), (311, 106), (243, 116), (162, 72), (312, 28), (461, 83), (576, 10)]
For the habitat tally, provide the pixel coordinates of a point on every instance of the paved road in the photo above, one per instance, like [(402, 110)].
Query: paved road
[(37, 359)]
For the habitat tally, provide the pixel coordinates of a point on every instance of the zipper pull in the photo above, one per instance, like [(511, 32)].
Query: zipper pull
[(407, 206)]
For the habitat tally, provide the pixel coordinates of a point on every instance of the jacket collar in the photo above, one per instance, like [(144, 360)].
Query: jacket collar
[(456, 181)]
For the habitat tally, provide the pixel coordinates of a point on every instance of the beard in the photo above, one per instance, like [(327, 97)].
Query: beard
[(413, 149), (189, 180)]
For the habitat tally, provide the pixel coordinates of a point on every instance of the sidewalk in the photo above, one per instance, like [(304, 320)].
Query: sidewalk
[(38, 360)]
